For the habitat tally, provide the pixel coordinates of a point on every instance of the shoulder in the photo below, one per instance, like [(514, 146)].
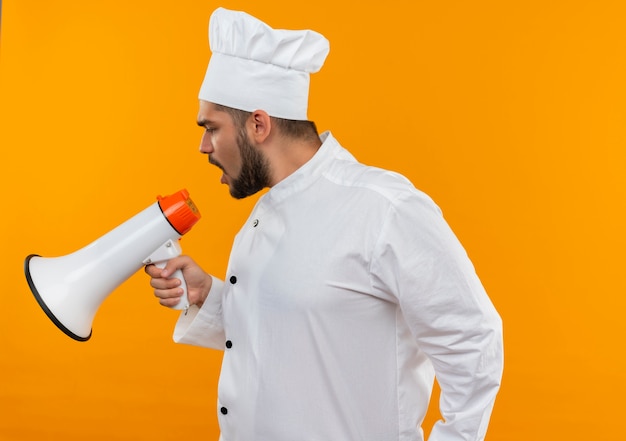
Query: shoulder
[(388, 185), (374, 183)]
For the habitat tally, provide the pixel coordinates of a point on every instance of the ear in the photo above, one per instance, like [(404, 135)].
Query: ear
[(259, 126)]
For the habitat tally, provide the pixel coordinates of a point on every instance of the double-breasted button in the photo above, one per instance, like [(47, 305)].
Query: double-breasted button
[(224, 410), (233, 279), (229, 344)]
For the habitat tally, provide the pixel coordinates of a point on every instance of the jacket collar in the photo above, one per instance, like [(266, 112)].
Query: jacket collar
[(310, 171)]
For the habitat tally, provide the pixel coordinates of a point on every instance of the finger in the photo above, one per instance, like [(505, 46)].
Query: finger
[(168, 293), (172, 265), (164, 284), (152, 270), (169, 302), (168, 297)]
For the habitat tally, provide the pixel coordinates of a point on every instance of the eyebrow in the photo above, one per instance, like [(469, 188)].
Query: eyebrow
[(204, 122)]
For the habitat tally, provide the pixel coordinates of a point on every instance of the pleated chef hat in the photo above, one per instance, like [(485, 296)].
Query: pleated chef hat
[(253, 66)]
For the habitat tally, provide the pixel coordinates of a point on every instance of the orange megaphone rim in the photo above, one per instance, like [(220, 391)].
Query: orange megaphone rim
[(179, 210)]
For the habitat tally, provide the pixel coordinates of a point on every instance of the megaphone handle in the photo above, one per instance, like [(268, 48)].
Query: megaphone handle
[(160, 257), (183, 304)]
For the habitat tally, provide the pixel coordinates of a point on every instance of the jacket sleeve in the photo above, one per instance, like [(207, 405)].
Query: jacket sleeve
[(203, 326), (420, 264)]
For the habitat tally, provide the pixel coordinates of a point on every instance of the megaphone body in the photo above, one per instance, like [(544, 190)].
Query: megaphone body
[(71, 288)]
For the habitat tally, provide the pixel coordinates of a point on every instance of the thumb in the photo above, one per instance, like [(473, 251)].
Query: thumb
[(170, 267)]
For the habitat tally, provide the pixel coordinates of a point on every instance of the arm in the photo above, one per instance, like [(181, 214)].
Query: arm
[(421, 263)]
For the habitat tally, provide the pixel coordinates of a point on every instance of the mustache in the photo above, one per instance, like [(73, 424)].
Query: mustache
[(216, 163)]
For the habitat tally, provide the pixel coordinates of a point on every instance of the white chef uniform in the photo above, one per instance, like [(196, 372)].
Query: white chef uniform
[(346, 292)]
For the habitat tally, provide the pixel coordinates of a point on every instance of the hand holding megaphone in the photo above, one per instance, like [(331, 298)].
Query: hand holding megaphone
[(71, 288), (196, 283), (160, 257)]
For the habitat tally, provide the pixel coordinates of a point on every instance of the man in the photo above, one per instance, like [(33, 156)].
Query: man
[(346, 290)]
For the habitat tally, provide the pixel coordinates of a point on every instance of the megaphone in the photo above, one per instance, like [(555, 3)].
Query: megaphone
[(71, 288)]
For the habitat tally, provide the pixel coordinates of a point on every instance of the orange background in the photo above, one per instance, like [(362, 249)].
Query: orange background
[(510, 114)]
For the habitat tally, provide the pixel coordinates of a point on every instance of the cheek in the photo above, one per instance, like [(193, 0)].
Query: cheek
[(234, 160), (227, 154)]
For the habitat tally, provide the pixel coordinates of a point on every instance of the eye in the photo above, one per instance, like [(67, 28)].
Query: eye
[(209, 129)]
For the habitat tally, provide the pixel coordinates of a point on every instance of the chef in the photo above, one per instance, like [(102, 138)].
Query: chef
[(346, 293)]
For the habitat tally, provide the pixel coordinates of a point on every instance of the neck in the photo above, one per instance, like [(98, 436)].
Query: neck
[(287, 156)]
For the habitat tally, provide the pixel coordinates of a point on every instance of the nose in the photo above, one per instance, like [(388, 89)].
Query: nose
[(205, 143)]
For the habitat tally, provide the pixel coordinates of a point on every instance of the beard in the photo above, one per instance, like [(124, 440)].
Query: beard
[(254, 175)]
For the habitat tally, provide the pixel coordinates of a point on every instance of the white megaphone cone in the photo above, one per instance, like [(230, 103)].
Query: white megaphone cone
[(71, 288)]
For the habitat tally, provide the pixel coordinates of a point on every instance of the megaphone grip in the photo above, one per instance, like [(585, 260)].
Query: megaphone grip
[(160, 257), (183, 304)]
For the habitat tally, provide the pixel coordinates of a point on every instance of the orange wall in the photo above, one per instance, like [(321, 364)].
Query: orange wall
[(510, 114)]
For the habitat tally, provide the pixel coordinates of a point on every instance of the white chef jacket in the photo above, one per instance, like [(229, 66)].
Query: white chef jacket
[(346, 293)]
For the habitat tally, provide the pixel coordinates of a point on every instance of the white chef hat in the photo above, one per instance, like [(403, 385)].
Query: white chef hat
[(256, 67)]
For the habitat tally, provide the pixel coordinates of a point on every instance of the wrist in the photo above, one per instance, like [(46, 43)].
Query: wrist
[(205, 290)]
